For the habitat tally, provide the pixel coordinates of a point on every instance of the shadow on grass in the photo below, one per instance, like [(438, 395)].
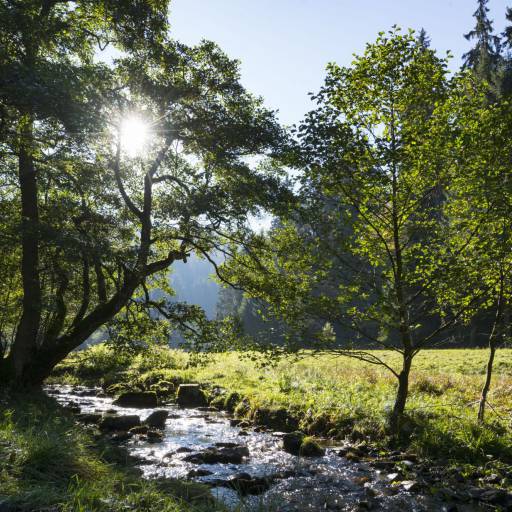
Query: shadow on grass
[(47, 460), (455, 439)]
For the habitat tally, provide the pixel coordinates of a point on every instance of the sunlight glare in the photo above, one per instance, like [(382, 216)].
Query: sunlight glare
[(134, 136)]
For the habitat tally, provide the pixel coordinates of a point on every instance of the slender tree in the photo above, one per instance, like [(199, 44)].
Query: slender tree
[(479, 207), (424, 38), (375, 146)]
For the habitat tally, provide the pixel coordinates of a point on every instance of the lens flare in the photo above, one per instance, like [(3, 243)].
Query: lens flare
[(134, 133)]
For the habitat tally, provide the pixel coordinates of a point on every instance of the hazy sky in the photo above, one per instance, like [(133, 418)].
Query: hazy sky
[(284, 45)]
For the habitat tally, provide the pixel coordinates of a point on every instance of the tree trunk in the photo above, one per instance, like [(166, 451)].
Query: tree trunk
[(402, 393), (493, 343), (403, 314), (40, 362), (488, 377), (26, 338)]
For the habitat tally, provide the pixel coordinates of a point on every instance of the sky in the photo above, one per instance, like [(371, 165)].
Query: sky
[(284, 45)]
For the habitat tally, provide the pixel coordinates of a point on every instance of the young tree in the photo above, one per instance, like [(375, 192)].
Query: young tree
[(479, 208), (91, 227), (373, 146)]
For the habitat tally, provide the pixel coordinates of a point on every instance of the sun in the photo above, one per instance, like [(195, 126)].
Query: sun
[(134, 134)]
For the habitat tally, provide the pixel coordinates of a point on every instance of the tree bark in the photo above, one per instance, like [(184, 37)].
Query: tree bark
[(44, 357), (402, 393), (488, 378), (403, 316), (493, 345), (26, 339)]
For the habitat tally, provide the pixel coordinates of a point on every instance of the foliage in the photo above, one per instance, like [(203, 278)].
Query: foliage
[(484, 58), (382, 247), (93, 227)]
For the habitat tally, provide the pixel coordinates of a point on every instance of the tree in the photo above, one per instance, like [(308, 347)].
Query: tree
[(92, 229), (424, 38), (505, 68), (479, 210), (373, 146), (485, 57)]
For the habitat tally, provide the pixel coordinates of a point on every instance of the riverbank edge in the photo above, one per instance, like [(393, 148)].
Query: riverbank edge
[(354, 442), (51, 462)]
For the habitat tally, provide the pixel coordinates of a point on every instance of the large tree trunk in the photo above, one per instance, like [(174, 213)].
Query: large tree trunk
[(39, 363), (27, 333)]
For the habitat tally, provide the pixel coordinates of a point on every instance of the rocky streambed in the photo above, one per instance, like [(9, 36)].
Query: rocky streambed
[(250, 468)]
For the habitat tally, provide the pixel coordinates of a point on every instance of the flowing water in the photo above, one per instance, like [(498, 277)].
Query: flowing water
[(295, 484)]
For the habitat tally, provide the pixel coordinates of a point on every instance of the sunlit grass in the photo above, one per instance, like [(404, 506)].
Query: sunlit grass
[(352, 398)]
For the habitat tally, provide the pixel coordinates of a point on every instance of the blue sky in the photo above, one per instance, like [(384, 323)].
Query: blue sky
[(284, 45)]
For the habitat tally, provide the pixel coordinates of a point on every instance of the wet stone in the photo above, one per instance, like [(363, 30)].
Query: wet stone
[(154, 436), (73, 408), (276, 419), (137, 399), (292, 442), (214, 455), (494, 496), (223, 444), (90, 418), (197, 473), (120, 437), (353, 457), (492, 479), (244, 484), (410, 485), (310, 448), (142, 429), (157, 419), (122, 423), (184, 449), (87, 392), (382, 464), (191, 395)]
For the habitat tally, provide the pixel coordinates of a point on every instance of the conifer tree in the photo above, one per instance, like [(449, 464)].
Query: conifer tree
[(507, 33), (424, 38), (484, 58)]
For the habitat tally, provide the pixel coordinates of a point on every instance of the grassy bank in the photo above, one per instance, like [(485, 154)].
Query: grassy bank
[(335, 397), (48, 462)]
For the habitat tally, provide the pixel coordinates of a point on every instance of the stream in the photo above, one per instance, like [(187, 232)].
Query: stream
[(266, 477)]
